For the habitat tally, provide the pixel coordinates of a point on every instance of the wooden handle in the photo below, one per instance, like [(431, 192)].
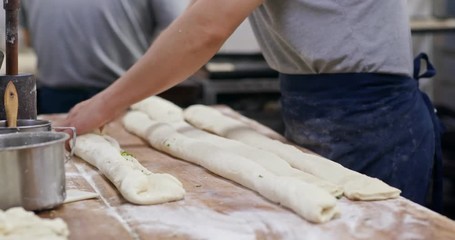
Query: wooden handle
[(11, 101)]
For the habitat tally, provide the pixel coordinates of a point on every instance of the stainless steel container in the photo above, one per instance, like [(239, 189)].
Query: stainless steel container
[(32, 170), (26, 125)]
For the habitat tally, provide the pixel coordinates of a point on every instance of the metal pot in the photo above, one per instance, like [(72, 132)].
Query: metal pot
[(32, 170)]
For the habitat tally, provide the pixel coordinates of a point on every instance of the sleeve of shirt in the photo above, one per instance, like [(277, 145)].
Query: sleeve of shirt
[(165, 11)]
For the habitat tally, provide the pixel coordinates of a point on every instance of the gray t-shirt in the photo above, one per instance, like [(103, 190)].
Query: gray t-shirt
[(334, 36), (90, 43)]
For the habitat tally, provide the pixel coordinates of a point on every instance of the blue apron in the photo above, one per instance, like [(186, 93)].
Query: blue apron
[(378, 124)]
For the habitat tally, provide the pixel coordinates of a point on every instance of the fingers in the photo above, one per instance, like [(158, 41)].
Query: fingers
[(89, 116), (100, 130)]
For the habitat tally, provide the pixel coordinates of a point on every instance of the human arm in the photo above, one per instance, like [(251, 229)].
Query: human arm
[(183, 48)]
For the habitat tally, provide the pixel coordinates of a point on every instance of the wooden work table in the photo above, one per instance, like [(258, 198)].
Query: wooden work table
[(215, 208)]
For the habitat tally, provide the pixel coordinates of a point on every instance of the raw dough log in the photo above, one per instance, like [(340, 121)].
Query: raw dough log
[(309, 201), (267, 160), (136, 183), (18, 224), (157, 109), (356, 186)]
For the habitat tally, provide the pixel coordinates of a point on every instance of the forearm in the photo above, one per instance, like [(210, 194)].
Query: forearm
[(183, 48)]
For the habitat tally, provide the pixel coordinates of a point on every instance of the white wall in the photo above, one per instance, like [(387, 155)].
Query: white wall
[(241, 41)]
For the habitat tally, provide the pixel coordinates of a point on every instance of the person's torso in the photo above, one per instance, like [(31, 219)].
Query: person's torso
[(90, 42), (334, 36)]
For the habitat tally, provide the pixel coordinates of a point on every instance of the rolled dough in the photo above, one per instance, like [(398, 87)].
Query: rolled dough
[(159, 109), (268, 160), (307, 200), (356, 186), (136, 184), (18, 224)]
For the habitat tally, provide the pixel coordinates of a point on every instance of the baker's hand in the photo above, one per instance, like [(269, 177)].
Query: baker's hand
[(89, 115)]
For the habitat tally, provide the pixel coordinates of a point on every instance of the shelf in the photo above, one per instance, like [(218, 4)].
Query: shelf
[(234, 86), (432, 25)]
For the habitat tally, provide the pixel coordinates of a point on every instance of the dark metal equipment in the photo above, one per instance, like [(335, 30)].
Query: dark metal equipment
[(246, 83), (24, 83), (26, 92), (11, 33)]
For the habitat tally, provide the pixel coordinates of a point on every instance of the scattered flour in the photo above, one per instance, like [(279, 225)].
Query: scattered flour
[(233, 213)]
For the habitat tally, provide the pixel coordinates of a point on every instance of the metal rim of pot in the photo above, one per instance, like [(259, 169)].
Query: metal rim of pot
[(65, 137), (25, 124)]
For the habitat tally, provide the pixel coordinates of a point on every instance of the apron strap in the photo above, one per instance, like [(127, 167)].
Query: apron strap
[(430, 72), (437, 193)]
